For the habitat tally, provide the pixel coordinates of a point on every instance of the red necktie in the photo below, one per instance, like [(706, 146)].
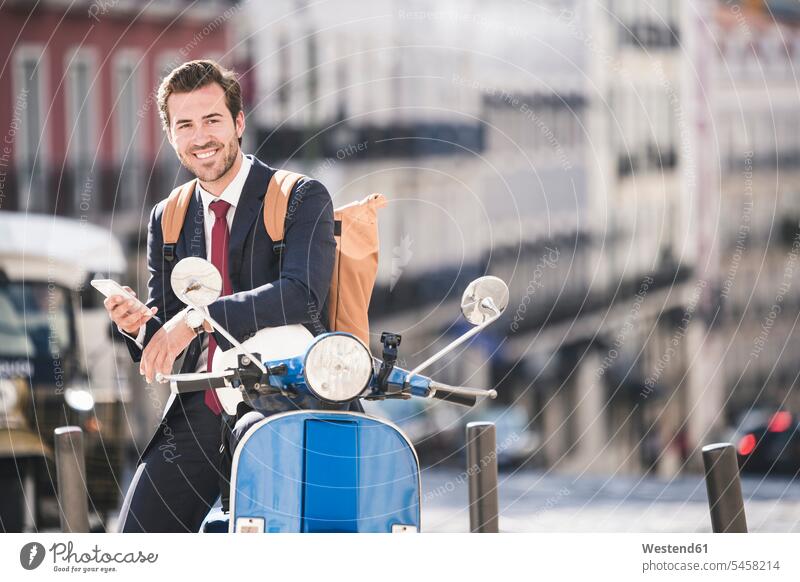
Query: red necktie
[(219, 258)]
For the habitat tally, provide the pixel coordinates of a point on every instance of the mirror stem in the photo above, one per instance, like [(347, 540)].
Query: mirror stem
[(225, 334), (488, 304)]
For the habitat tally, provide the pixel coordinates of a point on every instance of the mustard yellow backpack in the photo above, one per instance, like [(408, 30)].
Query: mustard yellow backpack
[(355, 231)]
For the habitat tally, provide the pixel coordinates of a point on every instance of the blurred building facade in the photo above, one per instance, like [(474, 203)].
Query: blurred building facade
[(80, 102), (543, 148), (83, 139), (628, 167), (755, 120), (627, 397)]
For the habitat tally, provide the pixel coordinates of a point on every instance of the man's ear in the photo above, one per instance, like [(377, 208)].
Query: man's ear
[(239, 121)]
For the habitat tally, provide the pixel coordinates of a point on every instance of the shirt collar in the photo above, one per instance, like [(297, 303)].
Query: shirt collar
[(232, 191)]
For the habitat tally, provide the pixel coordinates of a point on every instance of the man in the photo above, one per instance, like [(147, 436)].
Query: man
[(178, 476)]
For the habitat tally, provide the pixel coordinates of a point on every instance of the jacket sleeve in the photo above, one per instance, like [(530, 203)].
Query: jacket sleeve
[(158, 285), (300, 292)]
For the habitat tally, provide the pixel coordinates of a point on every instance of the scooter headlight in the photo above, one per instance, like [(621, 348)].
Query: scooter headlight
[(337, 367)]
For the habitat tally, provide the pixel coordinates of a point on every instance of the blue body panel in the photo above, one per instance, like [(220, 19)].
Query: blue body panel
[(317, 471), (330, 480)]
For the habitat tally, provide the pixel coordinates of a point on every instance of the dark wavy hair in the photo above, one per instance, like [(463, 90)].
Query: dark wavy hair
[(194, 75)]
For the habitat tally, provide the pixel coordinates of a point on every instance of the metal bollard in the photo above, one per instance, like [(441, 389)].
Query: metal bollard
[(724, 489), (73, 505), (482, 472)]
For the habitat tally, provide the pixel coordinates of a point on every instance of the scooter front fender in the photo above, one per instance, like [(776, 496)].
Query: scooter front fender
[(324, 471)]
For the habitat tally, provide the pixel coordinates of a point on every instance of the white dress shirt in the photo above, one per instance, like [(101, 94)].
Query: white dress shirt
[(231, 195)]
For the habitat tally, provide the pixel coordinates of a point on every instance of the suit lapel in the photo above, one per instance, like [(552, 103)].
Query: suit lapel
[(249, 208)]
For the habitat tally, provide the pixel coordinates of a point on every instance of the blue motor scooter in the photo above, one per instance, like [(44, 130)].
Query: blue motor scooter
[(317, 470)]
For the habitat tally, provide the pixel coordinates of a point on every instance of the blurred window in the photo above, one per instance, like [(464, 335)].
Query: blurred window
[(81, 127), (128, 117), (36, 338), (28, 107)]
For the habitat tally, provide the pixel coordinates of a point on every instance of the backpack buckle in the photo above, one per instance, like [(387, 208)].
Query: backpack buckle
[(169, 251), (278, 247)]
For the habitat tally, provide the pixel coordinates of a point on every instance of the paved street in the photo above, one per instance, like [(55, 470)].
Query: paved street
[(535, 502)]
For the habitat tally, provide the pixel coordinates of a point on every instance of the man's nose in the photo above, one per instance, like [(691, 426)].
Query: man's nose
[(201, 136)]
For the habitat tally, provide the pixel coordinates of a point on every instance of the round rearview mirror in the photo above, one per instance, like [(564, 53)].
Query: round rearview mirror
[(474, 304), (195, 281)]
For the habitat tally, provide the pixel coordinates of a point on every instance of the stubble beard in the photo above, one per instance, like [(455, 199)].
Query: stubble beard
[(214, 173)]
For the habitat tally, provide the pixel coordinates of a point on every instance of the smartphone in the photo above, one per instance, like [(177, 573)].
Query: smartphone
[(109, 287)]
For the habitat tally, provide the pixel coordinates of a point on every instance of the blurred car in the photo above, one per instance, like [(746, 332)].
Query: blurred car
[(57, 364), (411, 416), (772, 447), (437, 429), (516, 440)]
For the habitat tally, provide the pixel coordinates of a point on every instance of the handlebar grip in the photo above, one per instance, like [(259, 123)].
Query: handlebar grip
[(459, 394), (462, 399), (188, 386)]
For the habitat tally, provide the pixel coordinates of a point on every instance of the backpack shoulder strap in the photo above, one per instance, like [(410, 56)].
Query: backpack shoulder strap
[(276, 203), (174, 215)]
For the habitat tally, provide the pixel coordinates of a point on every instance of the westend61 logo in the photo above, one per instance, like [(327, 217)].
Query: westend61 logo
[(66, 559)]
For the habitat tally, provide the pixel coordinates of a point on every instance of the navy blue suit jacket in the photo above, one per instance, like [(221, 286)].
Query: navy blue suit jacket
[(266, 292)]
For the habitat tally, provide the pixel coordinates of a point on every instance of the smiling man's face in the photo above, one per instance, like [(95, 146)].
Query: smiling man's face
[(203, 132)]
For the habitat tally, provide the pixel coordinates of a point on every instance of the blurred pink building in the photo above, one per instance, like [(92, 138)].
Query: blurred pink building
[(81, 134)]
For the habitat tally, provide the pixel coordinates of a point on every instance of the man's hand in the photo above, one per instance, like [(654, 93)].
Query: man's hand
[(128, 314), (164, 347)]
